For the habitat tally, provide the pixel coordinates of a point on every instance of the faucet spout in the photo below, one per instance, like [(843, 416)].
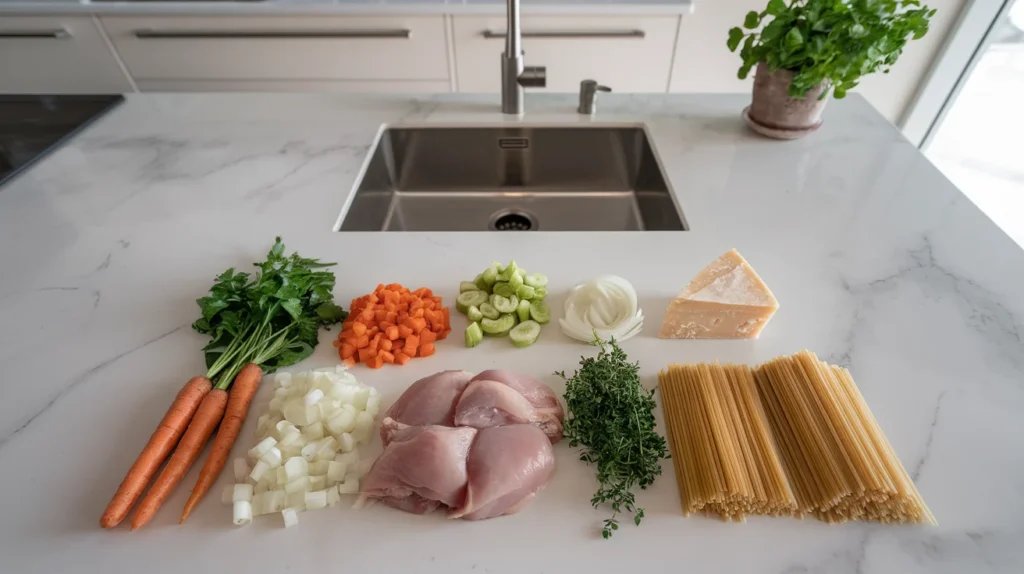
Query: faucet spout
[(514, 74)]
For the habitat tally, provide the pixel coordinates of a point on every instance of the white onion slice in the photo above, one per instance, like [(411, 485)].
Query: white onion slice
[(604, 308)]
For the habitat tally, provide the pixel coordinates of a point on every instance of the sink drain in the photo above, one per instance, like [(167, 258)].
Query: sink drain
[(512, 221)]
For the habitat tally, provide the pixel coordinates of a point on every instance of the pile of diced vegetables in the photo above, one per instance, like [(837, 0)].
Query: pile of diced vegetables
[(504, 300), (306, 453)]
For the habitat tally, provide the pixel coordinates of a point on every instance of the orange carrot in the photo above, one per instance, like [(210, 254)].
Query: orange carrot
[(160, 445), (243, 389), (199, 430)]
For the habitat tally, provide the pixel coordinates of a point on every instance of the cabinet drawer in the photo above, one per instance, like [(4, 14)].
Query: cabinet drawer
[(56, 54), (336, 86), (260, 48), (628, 53)]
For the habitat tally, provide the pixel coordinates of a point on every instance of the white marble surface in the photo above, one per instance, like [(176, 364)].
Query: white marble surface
[(341, 7), (877, 261)]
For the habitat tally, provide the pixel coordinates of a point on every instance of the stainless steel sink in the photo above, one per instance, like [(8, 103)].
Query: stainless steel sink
[(601, 178)]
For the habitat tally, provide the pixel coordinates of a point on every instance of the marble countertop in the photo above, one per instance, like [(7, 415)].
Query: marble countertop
[(341, 7), (878, 262)]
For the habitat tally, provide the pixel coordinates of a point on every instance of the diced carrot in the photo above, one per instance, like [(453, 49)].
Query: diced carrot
[(427, 336), (416, 305), (385, 345), (426, 350), (373, 331), (423, 292), (398, 344), (411, 343), (376, 362), (365, 355), (387, 356), (380, 315), (363, 342), (359, 329), (418, 313), (401, 358), (404, 330), (398, 287), (403, 306), (349, 362), (391, 317), (347, 351), (375, 342), (418, 324), (447, 317), (366, 316), (392, 332)]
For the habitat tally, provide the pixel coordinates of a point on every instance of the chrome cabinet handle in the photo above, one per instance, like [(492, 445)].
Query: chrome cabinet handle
[(149, 34), (496, 34), (59, 34)]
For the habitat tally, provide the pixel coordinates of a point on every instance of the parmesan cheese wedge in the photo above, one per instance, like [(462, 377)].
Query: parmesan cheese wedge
[(726, 300)]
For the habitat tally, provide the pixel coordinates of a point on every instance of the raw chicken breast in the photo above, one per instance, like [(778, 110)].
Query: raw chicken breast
[(429, 401), (497, 397), (422, 468), (507, 467)]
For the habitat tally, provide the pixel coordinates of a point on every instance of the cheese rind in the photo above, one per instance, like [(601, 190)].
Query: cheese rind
[(726, 300)]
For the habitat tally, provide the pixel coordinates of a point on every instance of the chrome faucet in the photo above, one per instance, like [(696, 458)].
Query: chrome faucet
[(514, 75)]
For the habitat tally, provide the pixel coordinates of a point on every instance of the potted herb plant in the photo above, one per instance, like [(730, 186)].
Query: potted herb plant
[(805, 50)]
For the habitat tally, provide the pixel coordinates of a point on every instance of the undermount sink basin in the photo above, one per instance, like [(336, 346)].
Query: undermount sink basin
[(590, 178)]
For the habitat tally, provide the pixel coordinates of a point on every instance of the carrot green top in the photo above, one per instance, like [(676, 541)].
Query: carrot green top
[(270, 318)]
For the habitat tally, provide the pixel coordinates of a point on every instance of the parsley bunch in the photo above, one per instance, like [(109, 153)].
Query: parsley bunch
[(610, 416), (271, 318), (831, 41)]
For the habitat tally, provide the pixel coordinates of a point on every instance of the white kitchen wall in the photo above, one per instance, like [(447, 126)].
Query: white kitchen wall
[(704, 64)]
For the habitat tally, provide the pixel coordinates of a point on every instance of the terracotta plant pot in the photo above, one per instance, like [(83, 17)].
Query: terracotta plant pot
[(774, 114)]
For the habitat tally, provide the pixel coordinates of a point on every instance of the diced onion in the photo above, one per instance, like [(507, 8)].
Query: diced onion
[(336, 471), (283, 380), (290, 517), (297, 500), (317, 482), (346, 443), (319, 467), (278, 501), (296, 467), (305, 455), (332, 496), (242, 514), (350, 486), (360, 397), (300, 484), (605, 308), (242, 492), (314, 431), (241, 468), (373, 405), (262, 447), (316, 499), (313, 397), (258, 470), (272, 457)]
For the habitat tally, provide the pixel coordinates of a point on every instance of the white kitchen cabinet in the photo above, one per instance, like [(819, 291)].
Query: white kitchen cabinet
[(628, 53), (293, 52), (337, 86), (57, 55)]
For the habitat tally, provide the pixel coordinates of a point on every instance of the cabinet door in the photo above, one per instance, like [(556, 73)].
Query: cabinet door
[(281, 48), (55, 55), (628, 53), (336, 86)]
